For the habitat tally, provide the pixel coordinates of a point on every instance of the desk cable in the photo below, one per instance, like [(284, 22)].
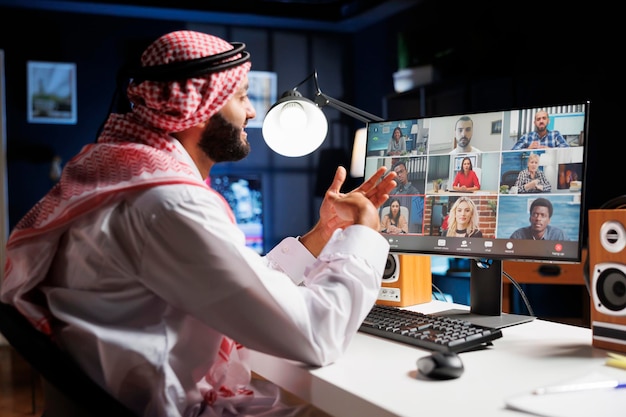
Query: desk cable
[(519, 289), (441, 294), (521, 292)]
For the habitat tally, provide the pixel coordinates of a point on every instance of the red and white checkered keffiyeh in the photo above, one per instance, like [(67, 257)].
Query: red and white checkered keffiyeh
[(173, 106), (161, 107)]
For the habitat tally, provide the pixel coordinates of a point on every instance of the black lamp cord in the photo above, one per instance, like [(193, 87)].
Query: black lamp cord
[(510, 278)]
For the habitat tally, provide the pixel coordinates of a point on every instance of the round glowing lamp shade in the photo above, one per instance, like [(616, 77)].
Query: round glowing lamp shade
[(294, 126)]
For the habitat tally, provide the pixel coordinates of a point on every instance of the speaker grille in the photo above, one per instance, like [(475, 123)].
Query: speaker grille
[(392, 268), (609, 288)]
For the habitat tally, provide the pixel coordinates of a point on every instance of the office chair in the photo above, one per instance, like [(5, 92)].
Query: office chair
[(68, 391), (509, 178), (403, 211)]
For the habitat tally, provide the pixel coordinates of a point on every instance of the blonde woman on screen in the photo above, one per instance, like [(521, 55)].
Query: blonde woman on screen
[(463, 219)]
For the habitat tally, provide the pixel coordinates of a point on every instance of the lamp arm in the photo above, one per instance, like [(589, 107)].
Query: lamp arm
[(322, 100), (312, 75)]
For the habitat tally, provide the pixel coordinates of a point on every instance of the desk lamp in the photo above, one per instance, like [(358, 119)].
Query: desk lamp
[(296, 126)]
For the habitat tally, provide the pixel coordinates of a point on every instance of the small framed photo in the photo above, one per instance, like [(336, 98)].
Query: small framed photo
[(496, 127), (51, 92), (262, 87)]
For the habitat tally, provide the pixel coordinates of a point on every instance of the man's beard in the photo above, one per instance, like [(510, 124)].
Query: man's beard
[(222, 142)]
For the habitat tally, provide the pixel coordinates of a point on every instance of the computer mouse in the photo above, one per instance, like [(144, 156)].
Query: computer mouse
[(441, 365)]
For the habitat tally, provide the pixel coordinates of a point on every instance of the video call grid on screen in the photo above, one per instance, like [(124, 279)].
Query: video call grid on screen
[(502, 208)]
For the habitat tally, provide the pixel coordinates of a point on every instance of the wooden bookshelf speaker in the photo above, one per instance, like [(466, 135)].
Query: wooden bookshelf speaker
[(607, 272), (407, 280)]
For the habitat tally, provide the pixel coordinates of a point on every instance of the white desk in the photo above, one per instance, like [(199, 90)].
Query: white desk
[(377, 377)]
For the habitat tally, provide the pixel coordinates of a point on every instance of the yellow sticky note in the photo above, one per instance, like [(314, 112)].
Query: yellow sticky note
[(615, 360)]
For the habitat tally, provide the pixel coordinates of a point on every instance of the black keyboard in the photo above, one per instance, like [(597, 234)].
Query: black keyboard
[(427, 331)]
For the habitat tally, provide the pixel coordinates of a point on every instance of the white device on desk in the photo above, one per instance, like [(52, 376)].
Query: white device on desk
[(499, 214)]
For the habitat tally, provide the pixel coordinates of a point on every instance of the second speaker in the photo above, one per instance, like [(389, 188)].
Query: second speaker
[(407, 280), (607, 255)]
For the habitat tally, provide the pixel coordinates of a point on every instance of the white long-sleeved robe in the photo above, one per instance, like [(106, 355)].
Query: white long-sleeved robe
[(147, 285)]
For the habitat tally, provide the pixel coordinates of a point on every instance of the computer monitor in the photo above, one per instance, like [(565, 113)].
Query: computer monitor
[(244, 194), (522, 204)]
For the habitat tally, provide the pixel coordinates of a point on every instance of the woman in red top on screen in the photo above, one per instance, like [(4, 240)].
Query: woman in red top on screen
[(466, 179)]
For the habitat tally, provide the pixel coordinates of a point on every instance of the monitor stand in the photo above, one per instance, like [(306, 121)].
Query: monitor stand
[(486, 298)]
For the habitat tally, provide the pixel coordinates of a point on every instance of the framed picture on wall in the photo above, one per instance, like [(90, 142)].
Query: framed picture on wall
[(51, 92), (496, 127), (262, 94)]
